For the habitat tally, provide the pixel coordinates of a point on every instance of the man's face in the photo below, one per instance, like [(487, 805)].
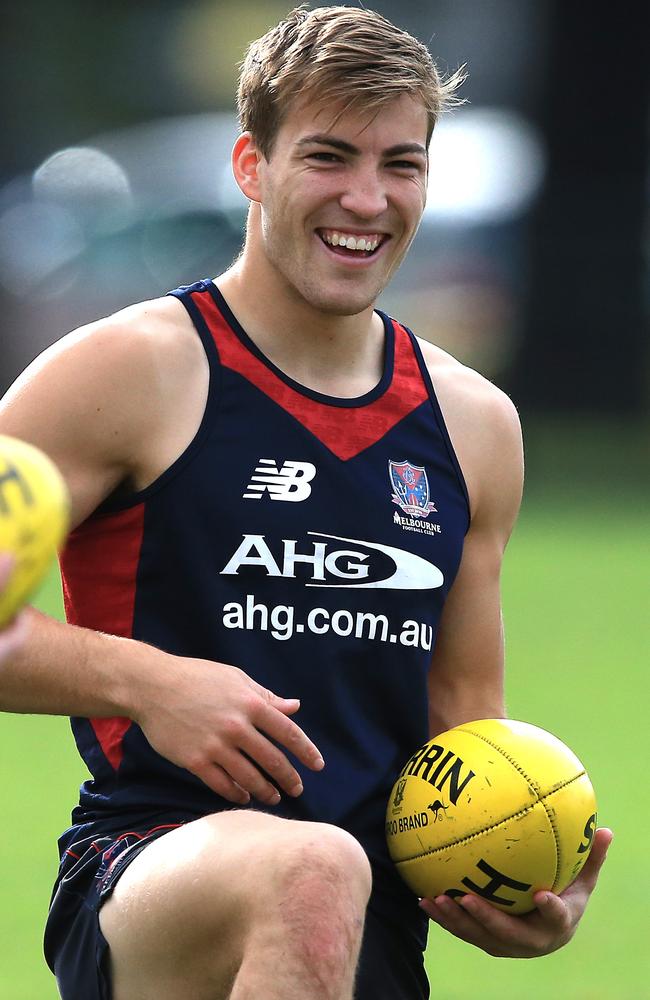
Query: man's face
[(330, 188)]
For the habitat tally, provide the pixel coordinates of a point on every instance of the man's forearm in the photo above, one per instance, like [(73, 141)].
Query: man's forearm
[(61, 669)]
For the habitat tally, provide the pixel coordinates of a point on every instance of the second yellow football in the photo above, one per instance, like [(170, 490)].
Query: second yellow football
[(34, 513)]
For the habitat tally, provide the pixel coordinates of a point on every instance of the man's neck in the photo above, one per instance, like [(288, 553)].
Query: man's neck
[(336, 355)]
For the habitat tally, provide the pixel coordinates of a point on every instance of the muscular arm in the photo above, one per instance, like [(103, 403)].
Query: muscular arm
[(466, 674), (116, 403)]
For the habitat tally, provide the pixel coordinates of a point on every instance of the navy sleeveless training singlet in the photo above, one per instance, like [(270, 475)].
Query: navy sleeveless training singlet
[(307, 539)]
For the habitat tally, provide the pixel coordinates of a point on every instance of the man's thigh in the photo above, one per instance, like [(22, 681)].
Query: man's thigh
[(180, 918), (186, 892)]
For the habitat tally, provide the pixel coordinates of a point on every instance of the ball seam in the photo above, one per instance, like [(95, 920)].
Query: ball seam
[(495, 746), (534, 786), (558, 865), (495, 826)]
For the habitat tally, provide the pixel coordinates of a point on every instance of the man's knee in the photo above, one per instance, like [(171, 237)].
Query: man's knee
[(272, 855), (320, 858), (318, 890)]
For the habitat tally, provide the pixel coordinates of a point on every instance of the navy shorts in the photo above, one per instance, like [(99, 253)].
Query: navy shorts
[(391, 965)]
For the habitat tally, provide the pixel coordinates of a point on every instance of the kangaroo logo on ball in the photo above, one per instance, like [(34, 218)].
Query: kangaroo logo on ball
[(435, 808)]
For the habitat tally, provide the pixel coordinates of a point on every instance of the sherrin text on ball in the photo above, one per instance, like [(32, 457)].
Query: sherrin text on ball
[(34, 517), (497, 808)]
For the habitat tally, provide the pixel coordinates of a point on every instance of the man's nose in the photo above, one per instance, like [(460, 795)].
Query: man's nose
[(365, 194)]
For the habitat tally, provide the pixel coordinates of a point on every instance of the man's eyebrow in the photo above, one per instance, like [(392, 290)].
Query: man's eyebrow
[(323, 139), (406, 147)]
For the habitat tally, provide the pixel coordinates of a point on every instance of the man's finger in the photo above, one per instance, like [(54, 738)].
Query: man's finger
[(12, 637), (589, 875), (553, 912), (286, 705), (289, 706), (289, 735), (248, 777), (522, 932), (448, 914), (273, 761), (6, 566), (216, 778)]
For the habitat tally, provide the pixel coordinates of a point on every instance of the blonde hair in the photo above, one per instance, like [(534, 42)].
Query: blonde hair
[(345, 57)]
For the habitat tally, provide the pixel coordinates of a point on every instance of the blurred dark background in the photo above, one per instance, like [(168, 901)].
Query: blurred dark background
[(531, 261)]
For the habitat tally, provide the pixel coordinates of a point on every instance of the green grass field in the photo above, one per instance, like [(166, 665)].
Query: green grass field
[(576, 606)]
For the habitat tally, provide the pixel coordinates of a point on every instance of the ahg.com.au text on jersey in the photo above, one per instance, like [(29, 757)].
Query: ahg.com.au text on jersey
[(280, 622)]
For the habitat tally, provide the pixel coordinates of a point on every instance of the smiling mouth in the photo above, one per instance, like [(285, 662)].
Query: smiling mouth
[(350, 244)]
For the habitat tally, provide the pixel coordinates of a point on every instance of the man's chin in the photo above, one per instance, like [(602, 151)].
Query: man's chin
[(343, 308), (340, 303)]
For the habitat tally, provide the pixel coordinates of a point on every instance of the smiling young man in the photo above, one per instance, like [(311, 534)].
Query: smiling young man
[(284, 572)]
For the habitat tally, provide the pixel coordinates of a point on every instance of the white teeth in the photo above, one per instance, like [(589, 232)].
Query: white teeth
[(352, 242)]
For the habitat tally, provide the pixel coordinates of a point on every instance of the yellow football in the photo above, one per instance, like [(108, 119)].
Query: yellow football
[(34, 515), (496, 808)]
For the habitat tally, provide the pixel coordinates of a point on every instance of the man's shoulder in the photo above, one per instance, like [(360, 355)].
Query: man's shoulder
[(484, 427), (154, 325), (126, 394), (135, 352), (465, 394)]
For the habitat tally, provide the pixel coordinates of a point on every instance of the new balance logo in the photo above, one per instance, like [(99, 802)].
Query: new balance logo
[(291, 482)]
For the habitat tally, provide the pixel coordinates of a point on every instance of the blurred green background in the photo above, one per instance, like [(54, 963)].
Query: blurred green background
[(578, 633), (531, 265)]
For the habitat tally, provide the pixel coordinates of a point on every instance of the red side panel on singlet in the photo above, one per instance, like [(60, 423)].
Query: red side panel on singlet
[(105, 601)]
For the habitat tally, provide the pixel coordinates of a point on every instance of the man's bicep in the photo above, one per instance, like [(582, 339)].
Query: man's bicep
[(467, 668), (67, 403), (466, 674)]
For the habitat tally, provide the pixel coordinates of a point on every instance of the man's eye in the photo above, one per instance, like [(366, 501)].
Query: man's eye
[(404, 164), (324, 157)]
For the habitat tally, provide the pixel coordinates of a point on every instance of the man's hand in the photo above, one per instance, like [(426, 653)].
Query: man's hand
[(540, 932), (12, 635), (220, 724)]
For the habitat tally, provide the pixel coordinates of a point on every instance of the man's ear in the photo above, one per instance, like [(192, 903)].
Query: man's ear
[(246, 159)]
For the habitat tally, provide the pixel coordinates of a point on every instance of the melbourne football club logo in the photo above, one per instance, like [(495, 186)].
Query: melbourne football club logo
[(410, 488)]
